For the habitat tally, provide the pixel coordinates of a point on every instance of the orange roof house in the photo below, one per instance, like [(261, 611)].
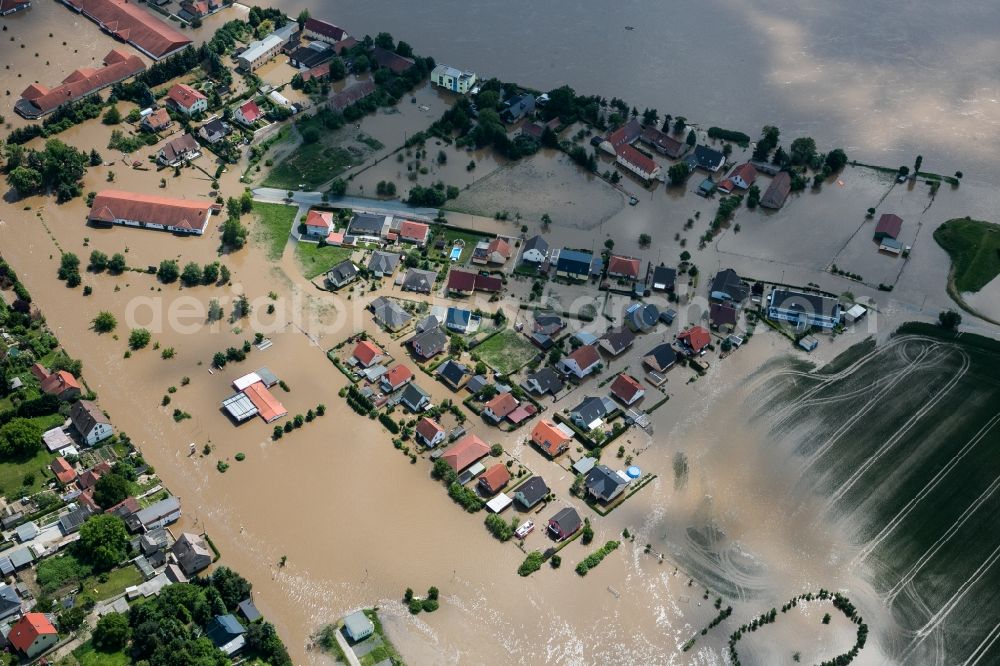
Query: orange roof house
[(626, 267), (319, 223), (499, 406), (464, 452), (695, 338), (550, 438), (267, 405), (149, 211), (367, 353), (32, 635), (398, 375), (63, 470), (495, 478), (131, 23), (413, 232)]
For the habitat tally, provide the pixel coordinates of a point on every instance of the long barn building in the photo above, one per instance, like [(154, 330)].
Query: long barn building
[(148, 211)]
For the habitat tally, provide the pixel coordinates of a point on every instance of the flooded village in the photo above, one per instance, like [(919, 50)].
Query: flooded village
[(358, 324)]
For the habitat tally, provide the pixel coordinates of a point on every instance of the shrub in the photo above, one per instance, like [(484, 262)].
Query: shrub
[(596, 557), (531, 564)]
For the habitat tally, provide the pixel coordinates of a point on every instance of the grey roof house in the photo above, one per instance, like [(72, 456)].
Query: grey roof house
[(419, 281), (727, 286), (706, 158), (664, 278), (389, 314), (535, 250), (192, 553), (531, 492), (10, 601), (226, 633), (616, 340), (518, 107), (591, 410), (604, 484), (368, 225), (414, 398), (341, 274), (430, 343), (544, 381), (383, 263), (453, 373)]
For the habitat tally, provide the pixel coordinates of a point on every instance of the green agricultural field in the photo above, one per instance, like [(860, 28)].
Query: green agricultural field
[(506, 351), (902, 444), (974, 247), (316, 260), (274, 228)]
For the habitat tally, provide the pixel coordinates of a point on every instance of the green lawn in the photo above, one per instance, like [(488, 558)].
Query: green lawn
[(316, 260), (506, 351), (12, 474), (275, 225), (87, 655), (118, 580), (974, 247), (310, 166), (450, 236)]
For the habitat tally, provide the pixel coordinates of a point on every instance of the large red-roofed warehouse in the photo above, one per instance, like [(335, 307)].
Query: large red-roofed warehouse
[(149, 211), (129, 22), (38, 100)]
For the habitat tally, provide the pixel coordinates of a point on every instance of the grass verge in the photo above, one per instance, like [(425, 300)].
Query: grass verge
[(974, 248), (275, 225), (315, 260)]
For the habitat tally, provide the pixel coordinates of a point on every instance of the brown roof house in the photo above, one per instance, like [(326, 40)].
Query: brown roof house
[(465, 452), (60, 383), (777, 192), (149, 211), (90, 422), (494, 479), (192, 553), (499, 407), (180, 149), (583, 361), (157, 120)]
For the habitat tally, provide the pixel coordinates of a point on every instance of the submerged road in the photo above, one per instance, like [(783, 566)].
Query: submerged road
[(307, 199)]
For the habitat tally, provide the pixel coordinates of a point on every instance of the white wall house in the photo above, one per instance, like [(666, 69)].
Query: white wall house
[(453, 79)]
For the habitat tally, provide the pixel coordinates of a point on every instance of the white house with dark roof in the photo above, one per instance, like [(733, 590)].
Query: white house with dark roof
[(90, 422)]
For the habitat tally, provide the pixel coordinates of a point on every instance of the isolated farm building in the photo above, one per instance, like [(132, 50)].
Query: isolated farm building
[(418, 280), (367, 353), (351, 94), (430, 343), (705, 158), (129, 22), (383, 264), (694, 339), (727, 286), (323, 31), (664, 278), (494, 479), (268, 407), (605, 484), (177, 150), (535, 250), (248, 113), (564, 524), (889, 226), (581, 362), (551, 437), (466, 451), (616, 340), (544, 381), (414, 398), (429, 432), (627, 389), (38, 100), (90, 422), (192, 553), (186, 100), (777, 192), (802, 309), (214, 131), (531, 492), (623, 267), (341, 274), (32, 635), (625, 135), (391, 60), (634, 160), (453, 373), (148, 211), (591, 412), (662, 142), (389, 314), (722, 316), (455, 80), (573, 264)]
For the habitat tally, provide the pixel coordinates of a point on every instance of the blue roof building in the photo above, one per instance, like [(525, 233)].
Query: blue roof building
[(573, 264)]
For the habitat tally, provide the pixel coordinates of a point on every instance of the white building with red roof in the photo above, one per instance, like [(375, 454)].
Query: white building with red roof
[(627, 389), (583, 361), (148, 211), (129, 22), (319, 224), (367, 353), (429, 432), (397, 377), (695, 339), (186, 99), (642, 166), (623, 267), (741, 177), (32, 635), (38, 100), (323, 31), (247, 114)]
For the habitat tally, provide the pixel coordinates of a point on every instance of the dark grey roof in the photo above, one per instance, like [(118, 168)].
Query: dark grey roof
[(412, 396), (429, 343), (532, 490), (476, 384), (249, 611), (215, 127), (661, 357), (224, 628), (706, 158), (419, 280), (664, 275), (573, 261), (366, 224), (645, 316), (71, 522), (457, 317), (383, 262), (618, 338), (727, 282), (519, 106), (547, 323), (10, 601), (591, 408), (342, 273), (603, 482), (567, 519), (154, 540), (548, 380), (388, 313), (536, 243), (797, 301), (426, 324), (453, 371)]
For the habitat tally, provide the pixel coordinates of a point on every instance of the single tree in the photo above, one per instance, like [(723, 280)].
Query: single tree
[(104, 541), (117, 263), (168, 271), (139, 338), (104, 322)]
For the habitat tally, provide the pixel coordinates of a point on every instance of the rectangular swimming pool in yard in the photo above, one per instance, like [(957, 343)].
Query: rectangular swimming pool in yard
[(456, 252)]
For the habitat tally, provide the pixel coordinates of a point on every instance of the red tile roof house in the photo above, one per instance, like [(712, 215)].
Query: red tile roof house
[(465, 452), (494, 479), (741, 177), (63, 471), (396, 378), (61, 384), (722, 316), (550, 437), (499, 407), (429, 432), (639, 164), (623, 267), (462, 283), (157, 120), (581, 362), (414, 232), (497, 251), (695, 339), (367, 353), (90, 477), (248, 113), (627, 389), (319, 224), (129, 22), (32, 635), (888, 225), (149, 211), (38, 100), (187, 100)]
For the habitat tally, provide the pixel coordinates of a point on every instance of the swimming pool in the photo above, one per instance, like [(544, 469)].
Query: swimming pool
[(456, 252)]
